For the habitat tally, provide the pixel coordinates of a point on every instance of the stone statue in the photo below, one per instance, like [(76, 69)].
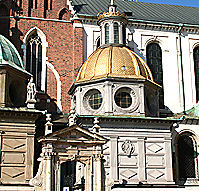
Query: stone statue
[(31, 90), (31, 94)]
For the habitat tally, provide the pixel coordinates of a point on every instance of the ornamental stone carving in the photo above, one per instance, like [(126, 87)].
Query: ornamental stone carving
[(128, 147)]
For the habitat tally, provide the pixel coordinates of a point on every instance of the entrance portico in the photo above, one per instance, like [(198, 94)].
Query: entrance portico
[(69, 158)]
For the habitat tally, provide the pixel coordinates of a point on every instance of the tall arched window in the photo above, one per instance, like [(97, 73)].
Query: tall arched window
[(186, 157), (34, 57), (196, 69), (154, 61), (124, 34), (5, 22), (106, 33), (116, 32)]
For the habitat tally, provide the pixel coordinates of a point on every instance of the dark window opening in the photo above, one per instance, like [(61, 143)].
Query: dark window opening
[(35, 4), (34, 58), (45, 7), (186, 157), (51, 4), (95, 100), (68, 174), (106, 33), (116, 33), (98, 42), (123, 99), (196, 70), (30, 6), (154, 61), (124, 34), (5, 22), (128, 13)]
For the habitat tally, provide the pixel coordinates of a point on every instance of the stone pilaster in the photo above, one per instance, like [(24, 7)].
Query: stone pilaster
[(114, 158), (2, 88), (108, 99), (168, 160), (141, 160)]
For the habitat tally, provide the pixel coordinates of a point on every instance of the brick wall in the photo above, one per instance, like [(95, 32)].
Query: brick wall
[(65, 42)]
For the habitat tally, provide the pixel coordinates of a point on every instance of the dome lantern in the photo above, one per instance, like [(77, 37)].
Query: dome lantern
[(113, 26)]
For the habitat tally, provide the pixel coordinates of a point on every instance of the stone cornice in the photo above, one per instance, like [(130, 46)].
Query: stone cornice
[(147, 25)]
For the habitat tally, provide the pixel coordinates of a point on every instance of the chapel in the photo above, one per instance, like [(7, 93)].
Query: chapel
[(98, 96)]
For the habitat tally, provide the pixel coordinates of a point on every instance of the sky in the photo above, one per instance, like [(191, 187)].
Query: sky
[(192, 3)]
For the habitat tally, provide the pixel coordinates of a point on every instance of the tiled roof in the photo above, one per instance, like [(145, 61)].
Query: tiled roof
[(141, 11)]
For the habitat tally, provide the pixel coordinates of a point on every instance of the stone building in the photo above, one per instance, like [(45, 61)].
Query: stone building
[(133, 122)]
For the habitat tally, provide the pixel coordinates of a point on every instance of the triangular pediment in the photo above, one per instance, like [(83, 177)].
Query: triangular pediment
[(74, 134)]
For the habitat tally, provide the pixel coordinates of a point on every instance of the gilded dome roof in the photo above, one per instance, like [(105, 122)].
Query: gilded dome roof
[(114, 62)]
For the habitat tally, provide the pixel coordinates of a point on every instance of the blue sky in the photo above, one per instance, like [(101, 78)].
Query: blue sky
[(192, 3)]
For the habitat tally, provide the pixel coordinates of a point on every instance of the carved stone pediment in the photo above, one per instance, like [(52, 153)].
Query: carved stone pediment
[(74, 135)]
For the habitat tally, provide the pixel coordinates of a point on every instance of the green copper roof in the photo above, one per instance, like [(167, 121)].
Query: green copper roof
[(9, 55), (141, 11)]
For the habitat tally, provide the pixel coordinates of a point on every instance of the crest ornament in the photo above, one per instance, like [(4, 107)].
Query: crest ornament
[(128, 147)]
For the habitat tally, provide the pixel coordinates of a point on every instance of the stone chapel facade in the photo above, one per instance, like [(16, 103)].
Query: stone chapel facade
[(121, 87)]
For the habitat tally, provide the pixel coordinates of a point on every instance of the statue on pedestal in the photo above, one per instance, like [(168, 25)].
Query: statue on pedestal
[(31, 94)]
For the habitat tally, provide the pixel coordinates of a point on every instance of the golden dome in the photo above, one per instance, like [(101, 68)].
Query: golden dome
[(114, 62)]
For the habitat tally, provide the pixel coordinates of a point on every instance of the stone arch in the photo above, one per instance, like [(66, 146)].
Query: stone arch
[(44, 58), (186, 155), (154, 39), (58, 84), (64, 14)]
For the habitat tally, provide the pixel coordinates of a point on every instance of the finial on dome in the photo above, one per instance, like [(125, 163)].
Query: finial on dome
[(112, 7), (112, 2)]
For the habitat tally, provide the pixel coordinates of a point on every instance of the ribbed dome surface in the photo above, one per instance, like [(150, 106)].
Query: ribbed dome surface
[(114, 62), (9, 54)]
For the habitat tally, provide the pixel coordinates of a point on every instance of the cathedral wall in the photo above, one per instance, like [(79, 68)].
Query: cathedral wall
[(139, 37), (63, 42)]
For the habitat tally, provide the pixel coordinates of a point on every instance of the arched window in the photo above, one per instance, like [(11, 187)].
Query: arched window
[(124, 34), (34, 57), (186, 157), (116, 32), (196, 69), (154, 61), (106, 33), (5, 22)]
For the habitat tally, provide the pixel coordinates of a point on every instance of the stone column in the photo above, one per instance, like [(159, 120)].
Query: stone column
[(29, 156), (89, 175), (168, 159), (108, 98), (2, 88), (97, 178), (141, 88), (120, 34), (57, 176), (141, 160), (102, 35), (111, 32), (114, 158), (78, 100), (48, 151)]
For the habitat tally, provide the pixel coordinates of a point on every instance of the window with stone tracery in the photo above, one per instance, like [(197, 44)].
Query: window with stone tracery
[(34, 58), (196, 70)]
